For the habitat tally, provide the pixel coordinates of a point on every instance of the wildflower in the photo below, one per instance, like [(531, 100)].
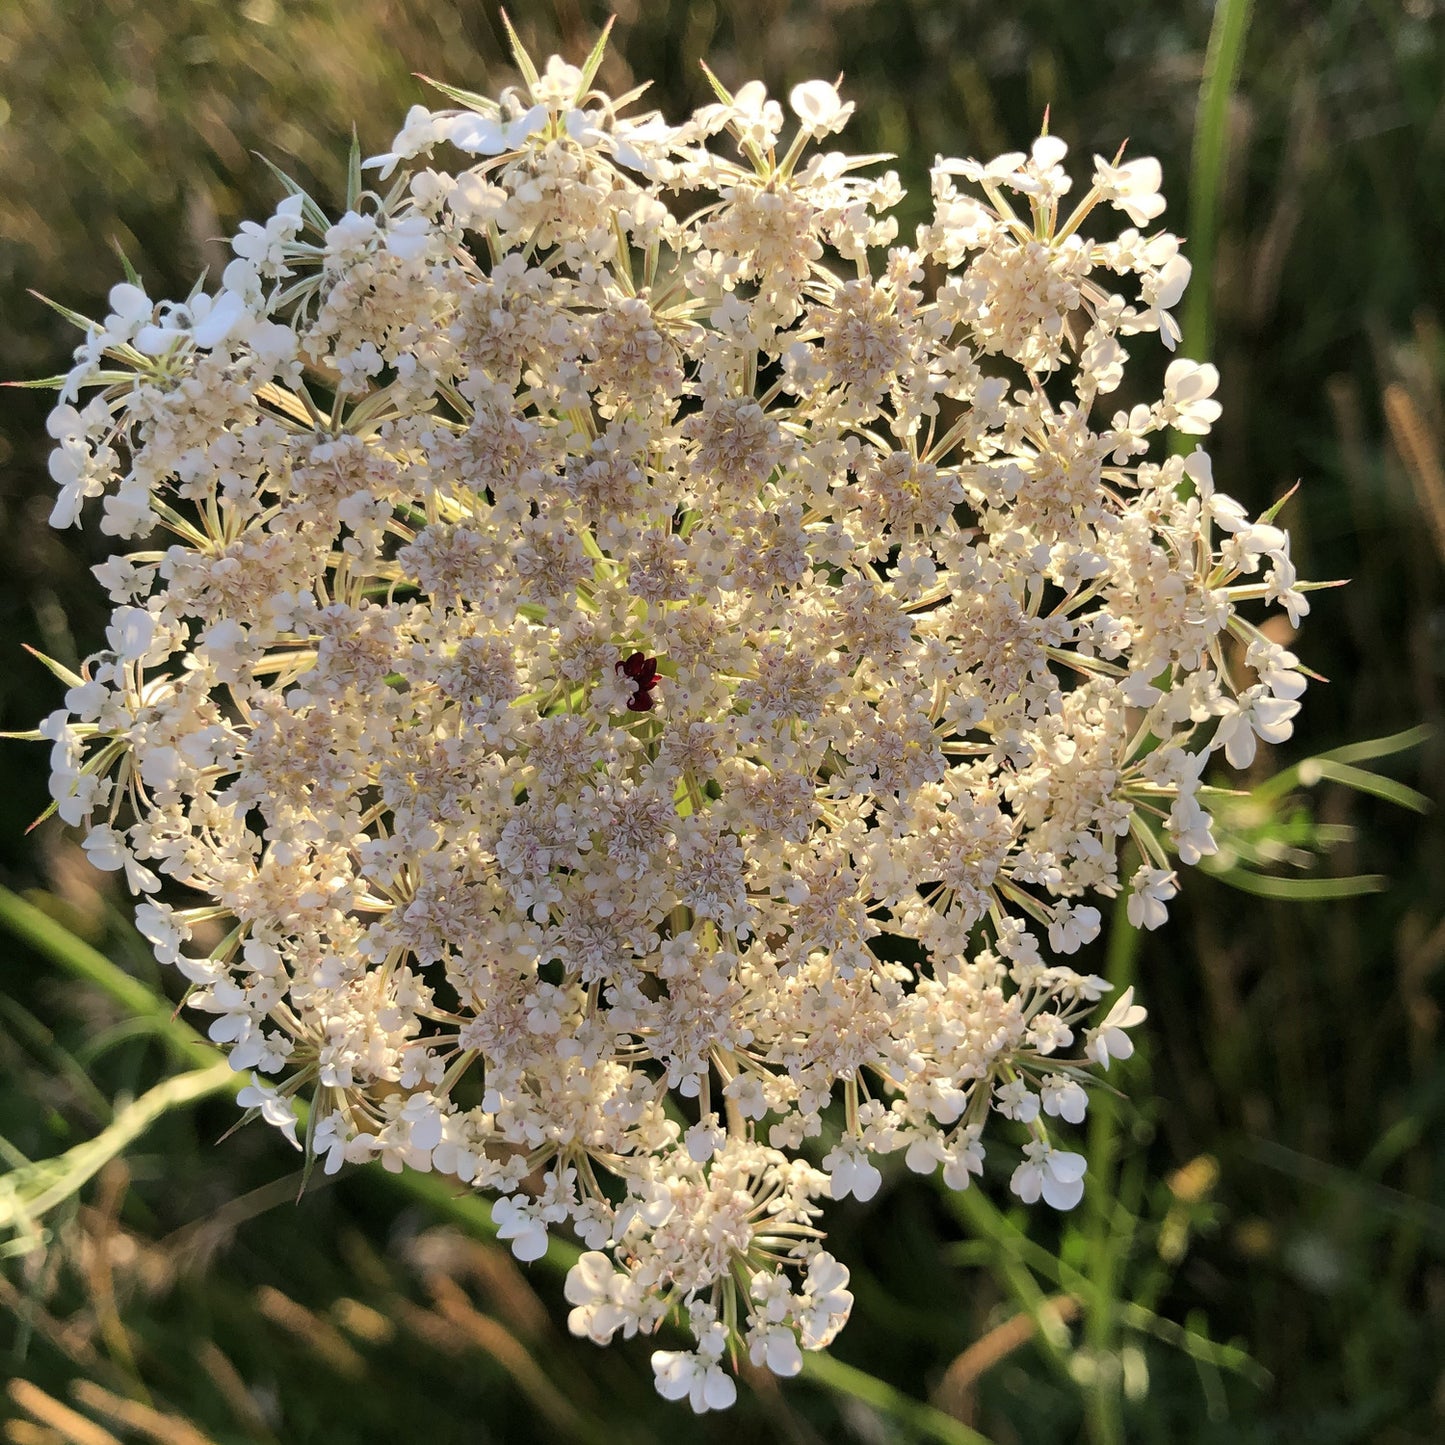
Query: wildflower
[(275, 1110), (641, 672), (817, 105), (1187, 389), (1255, 713), (1064, 1098), (694, 1377), (1150, 891), (522, 1228), (825, 1302), (1132, 187), (850, 1172), (652, 616), (1109, 1041), (1054, 1174)]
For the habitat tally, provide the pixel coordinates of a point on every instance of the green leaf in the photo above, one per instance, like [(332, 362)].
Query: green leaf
[(69, 678), (718, 88), (1337, 766), (591, 65), (1206, 172), (353, 172), (519, 52), (1279, 506), (1381, 747), (1301, 890), (30, 1191), (131, 274), (468, 99), (39, 383), (883, 1397), (1004, 1243), (54, 383), (74, 317), (313, 212), (1315, 770)]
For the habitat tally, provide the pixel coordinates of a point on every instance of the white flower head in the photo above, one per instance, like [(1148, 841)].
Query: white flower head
[(419, 133), (817, 105), (552, 727), (851, 1172), (1064, 1098), (1188, 389), (702, 1382), (522, 1228), (1150, 891), (1255, 714)]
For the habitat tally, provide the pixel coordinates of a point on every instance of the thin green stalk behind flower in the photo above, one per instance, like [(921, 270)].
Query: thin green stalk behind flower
[(1108, 1224), (1222, 63), (29, 1192)]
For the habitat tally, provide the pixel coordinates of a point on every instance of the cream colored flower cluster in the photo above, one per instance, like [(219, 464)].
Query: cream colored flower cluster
[(635, 654)]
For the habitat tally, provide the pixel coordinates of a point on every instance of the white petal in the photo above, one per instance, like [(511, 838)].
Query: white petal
[(783, 1355), (1067, 1167), (816, 104), (129, 302), (1062, 1194), (1048, 150), (475, 134), (718, 1389), (1272, 718), (225, 312), (672, 1373), (1027, 1181)]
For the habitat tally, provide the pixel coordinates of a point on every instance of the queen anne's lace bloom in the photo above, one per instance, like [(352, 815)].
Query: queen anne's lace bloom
[(605, 587)]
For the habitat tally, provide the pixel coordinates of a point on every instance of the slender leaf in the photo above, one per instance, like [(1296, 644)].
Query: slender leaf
[(1302, 890), (1206, 178), (27, 1193)]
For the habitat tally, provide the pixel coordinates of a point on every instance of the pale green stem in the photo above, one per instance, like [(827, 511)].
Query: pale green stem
[(1207, 165), (1107, 1242), (924, 1419)]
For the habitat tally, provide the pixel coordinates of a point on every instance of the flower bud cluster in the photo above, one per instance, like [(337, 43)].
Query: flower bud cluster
[(634, 653)]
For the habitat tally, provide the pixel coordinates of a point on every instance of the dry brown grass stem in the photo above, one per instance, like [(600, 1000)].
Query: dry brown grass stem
[(70, 1425), (1419, 450), (956, 1392), (154, 1424), (497, 1341)]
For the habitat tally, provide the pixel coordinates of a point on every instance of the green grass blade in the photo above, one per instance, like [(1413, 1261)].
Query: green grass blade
[(1302, 890), (353, 172), (999, 1235), (1338, 765), (923, 1419), (32, 925), (1371, 748), (27, 1193), (1206, 177), (1317, 770), (1107, 1241)]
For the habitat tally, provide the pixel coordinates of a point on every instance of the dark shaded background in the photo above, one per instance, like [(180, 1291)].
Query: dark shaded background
[(1280, 1166)]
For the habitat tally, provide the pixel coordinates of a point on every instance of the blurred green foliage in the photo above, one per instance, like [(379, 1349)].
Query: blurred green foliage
[(1262, 1257)]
